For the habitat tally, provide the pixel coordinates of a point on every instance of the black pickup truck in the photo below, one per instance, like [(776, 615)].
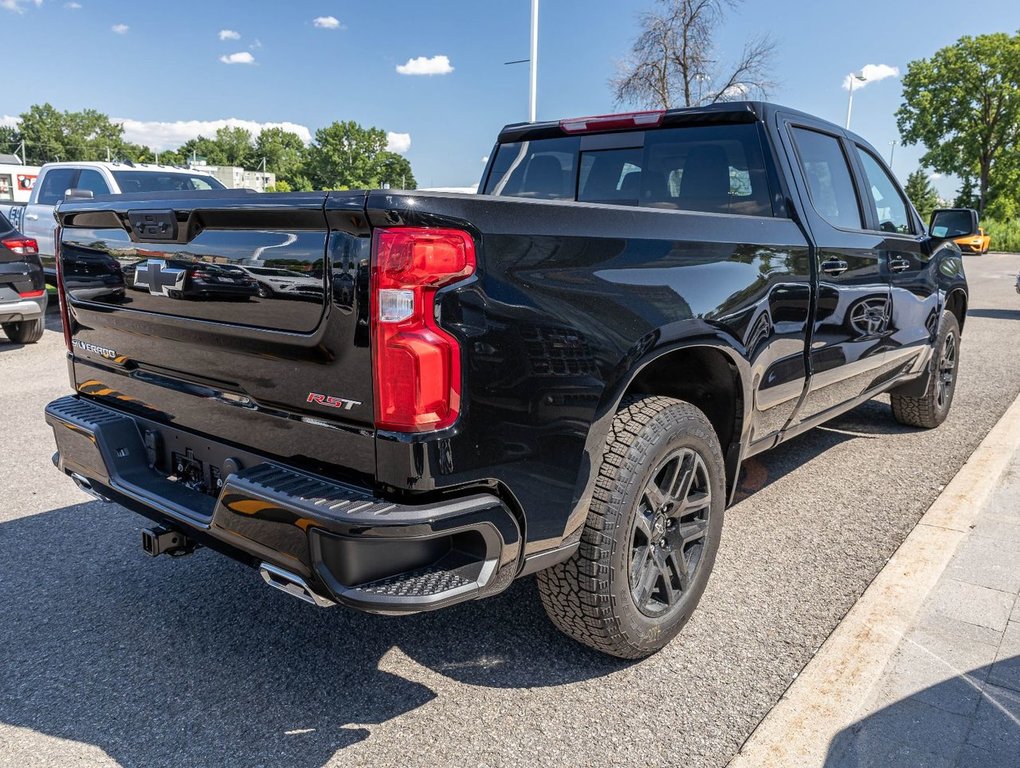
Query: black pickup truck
[(560, 375)]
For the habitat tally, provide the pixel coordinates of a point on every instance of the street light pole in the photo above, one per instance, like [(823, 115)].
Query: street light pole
[(533, 100), (854, 76), (892, 151)]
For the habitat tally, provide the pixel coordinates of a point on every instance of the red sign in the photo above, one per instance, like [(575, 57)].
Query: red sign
[(25, 182)]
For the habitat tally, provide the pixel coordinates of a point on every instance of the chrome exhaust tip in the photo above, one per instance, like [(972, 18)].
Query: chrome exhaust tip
[(85, 485), (293, 585)]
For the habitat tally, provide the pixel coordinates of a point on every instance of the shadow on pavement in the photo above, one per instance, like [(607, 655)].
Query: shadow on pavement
[(195, 661), (968, 721), (996, 314), (864, 422)]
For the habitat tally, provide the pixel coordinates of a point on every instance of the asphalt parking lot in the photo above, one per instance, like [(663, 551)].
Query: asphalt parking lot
[(108, 657)]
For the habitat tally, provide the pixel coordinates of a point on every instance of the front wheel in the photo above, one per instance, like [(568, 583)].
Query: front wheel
[(651, 535), (24, 331), (932, 408)]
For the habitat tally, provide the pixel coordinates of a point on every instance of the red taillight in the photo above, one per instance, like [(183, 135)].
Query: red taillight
[(23, 246), (416, 364), (612, 122), (32, 294), (65, 315)]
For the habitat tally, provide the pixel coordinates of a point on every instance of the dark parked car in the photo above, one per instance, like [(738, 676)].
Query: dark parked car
[(22, 286), (561, 375)]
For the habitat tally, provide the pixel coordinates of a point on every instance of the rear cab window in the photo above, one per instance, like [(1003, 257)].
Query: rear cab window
[(711, 169), (55, 182), (163, 181)]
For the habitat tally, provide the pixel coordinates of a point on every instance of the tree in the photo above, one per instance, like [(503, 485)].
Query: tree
[(672, 60), (50, 134), (395, 171), (963, 105), (346, 156), (10, 139), (236, 146), (922, 193), (284, 155)]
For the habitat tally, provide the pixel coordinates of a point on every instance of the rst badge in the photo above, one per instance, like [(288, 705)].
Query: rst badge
[(332, 402)]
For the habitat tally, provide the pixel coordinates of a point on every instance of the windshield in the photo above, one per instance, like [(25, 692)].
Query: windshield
[(160, 181)]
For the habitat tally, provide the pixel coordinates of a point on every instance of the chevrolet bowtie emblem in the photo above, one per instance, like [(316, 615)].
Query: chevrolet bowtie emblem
[(158, 277)]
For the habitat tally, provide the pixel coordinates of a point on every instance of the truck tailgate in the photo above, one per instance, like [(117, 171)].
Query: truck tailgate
[(174, 316)]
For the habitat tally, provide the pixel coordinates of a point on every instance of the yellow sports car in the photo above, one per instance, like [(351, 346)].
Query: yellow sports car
[(978, 243)]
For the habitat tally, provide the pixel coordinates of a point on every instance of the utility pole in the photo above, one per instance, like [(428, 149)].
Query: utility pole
[(892, 151), (533, 100), (23, 152)]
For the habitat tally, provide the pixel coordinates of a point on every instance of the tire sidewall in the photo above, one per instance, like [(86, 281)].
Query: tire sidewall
[(948, 325), (653, 444)]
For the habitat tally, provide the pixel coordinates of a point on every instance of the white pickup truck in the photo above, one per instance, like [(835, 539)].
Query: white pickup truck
[(35, 219)]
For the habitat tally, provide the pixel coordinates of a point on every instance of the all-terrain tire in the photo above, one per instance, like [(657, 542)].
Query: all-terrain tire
[(592, 597), (24, 331), (931, 409)]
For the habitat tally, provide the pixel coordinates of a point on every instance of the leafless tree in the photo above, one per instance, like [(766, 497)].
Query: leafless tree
[(672, 64)]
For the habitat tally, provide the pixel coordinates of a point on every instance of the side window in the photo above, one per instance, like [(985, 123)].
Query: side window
[(54, 184), (886, 199), (828, 178), (94, 182)]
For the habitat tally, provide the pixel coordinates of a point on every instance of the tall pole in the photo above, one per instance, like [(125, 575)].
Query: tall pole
[(892, 151), (533, 102), (854, 77), (850, 101)]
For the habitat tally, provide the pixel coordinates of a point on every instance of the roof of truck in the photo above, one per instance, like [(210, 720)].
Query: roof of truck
[(720, 112)]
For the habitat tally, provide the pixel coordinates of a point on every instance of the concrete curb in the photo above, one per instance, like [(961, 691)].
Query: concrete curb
[(827, 695)]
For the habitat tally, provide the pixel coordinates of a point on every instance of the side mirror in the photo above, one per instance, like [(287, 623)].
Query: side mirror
[(78, 194), (950, 223)]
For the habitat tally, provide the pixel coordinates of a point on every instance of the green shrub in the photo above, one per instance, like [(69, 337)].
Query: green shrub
[(1005, 234)]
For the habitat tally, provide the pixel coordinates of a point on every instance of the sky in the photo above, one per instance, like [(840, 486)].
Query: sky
[(431, 73)]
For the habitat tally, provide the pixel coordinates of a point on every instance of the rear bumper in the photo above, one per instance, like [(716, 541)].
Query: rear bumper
[(23, 309), (342, 541)]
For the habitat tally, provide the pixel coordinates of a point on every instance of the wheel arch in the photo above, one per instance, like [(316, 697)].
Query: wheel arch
[(708, 373), (956, 302)]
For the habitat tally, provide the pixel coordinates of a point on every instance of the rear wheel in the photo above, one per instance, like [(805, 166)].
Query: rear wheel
[(24, 331), (651, 535), (932, 408)]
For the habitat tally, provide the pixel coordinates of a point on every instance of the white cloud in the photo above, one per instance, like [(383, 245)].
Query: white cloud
[(735, 92), (934, 175), (120, 29), (255, 45), (18, 6), (9, 121), (398, 142), (229, 34), (241, 57), (326, 22), (437, 65), (163, 135), (73, 6), (872, 74)]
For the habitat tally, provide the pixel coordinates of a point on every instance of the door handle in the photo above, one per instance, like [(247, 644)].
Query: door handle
[(32, 216), (834, 267), (899, 265)]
